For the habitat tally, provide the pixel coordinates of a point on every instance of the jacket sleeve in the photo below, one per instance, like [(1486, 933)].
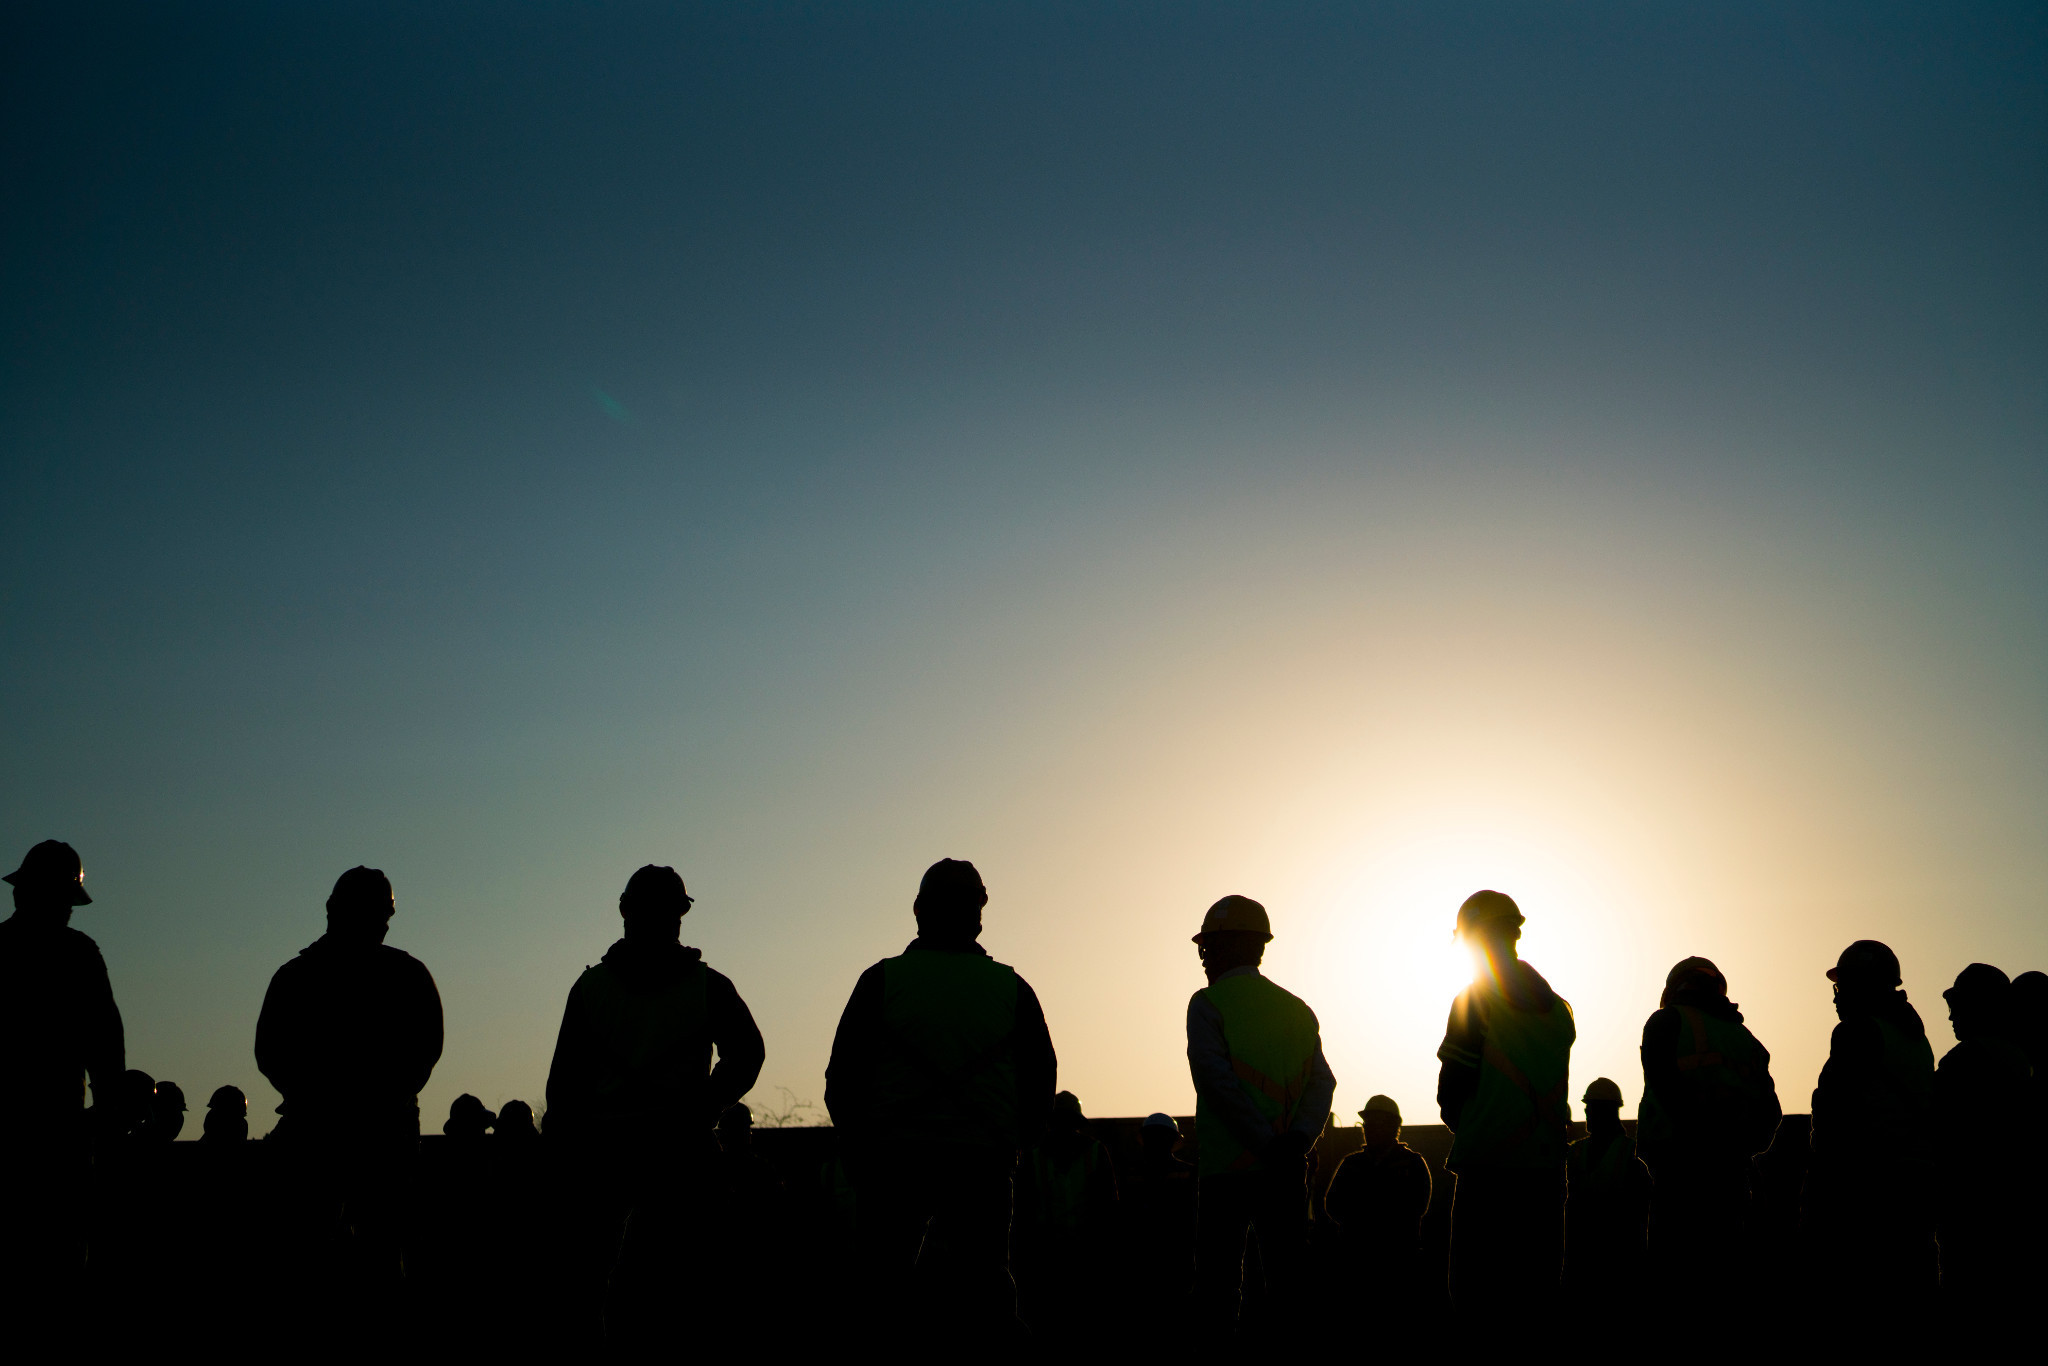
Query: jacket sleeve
[(1313, 1112), (1660, 1065), (1038, 1067), (1769, 1111), (277, 1035), (1215, 1082), (428, 1030), (849, 1075), (1458, 1079), (106, 1044), (569, 1072), (738, 1040)]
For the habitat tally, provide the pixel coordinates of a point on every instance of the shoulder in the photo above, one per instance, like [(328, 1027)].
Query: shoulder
[(78, 948), (399, 963)]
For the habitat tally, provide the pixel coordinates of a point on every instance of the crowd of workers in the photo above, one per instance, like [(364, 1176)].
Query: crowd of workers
[(967, 1194)]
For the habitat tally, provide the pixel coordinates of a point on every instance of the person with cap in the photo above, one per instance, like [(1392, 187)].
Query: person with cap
[(1262, 1097), (1159, 1215), (633, 1097), (1501, 1091), (1982, 1087), (942, 1069), (60, 1031), (1868, 1201), (1066, 1214), (349, 1033), (1709, 1107), (227, 1116), (1378, 1198), (1607, 1202)]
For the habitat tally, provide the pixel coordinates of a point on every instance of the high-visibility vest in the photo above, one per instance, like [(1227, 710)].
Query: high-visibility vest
[(1616, 1171), (1518, 1117), (658, 1043), (1061, 1188), (948, 1071), (1273, 1040), (1724, 1071)]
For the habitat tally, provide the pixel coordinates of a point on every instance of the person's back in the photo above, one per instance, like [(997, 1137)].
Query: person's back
[(1379, 1195), (1607, 1203), (1982, 1087), (941, 1069), (351, 1028)]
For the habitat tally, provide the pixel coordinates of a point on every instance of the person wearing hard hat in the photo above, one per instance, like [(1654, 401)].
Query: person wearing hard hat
[(941, 1071), (1607, 1200), (1984, 1087), (1506, 1059), (59, 1027), (1066, 1212), (1378, 1198), (1262, 1095), (633, 1095), (1709, 1107), (1869, 1182)]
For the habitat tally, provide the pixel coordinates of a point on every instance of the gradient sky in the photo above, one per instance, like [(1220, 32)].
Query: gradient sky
[(1348, 455)]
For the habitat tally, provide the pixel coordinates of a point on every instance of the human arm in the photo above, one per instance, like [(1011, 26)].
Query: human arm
[(1312, 1111), (569, 1073), (1458, 1079), (427, 1032), (105, 1041), (1037, 1066), (1216, 1082), (850, 1071), (278, 1036), (738, 1040)]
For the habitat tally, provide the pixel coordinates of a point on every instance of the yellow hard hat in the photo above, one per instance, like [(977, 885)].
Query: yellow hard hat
[(1601, 1091), (1236, 915)]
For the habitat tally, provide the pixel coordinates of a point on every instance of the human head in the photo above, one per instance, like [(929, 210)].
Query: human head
[(227, 1116), (1159, 1134), (515, 1120), (1866, 972), (1066, 1113), (949, 901), (1979, 1003), (1692, 977), (167, 1111), (1235, 931), (468, 1117), (1381, 1119), (361, 905), (654, 904), (50, 881), (735, 1128), (1491, 921)]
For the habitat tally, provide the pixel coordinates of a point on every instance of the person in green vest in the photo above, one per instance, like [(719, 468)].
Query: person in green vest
[(942, 1069), (1869, 1184), (1506, 1058), (1607, 1202), (1066, 1217), (633, 1096), (1709, 1107), (1262, 1096)]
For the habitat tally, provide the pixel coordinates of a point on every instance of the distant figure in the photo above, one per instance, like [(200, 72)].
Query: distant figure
[(2030, 1018), (469, 1120), (1159, 1201), (227, 1116), (1869, 1184), (2030, 1165), (166, 1112), (1607, 1204), (138, 1104), (1378, 1197), (941, 1070), (1506, 1059), (1709, 1107), (754, 1216), (1067, 1214), (1262, 1095), (1983, 1087), (58, 1026), (633, 1094), (515, 1128), (349, 1033)]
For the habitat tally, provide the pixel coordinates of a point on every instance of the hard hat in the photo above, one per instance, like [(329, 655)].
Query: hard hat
[(169, 1093), (1601, 1091), (229, 1098), (361, 886), (1159, 1119), (657, 885), (1381, 1105), (1868, 963), (1067, 1103), (1695, 967), (1978, 982), (1483, 909), (1236, 915), (53, 863), (951, 883)]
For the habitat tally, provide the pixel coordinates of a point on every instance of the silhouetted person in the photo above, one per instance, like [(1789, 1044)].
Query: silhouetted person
[(2029, 1170), (1869, 1184), (138, 1100), (1709, 1107), (1378, 1197), (227, 1116), (941, 1070), (1262, 1095), (1506, 1059), (1607, 1204), (633, 1093), (1159, 1201), (515, 1128), (350, 1031), (1982, 1088), (469, 1120), (1067, 1213), (58, 1026), (2029, 1004), (166, 1112)]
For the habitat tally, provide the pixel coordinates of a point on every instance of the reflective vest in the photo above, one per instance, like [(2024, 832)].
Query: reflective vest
[(658, 1044), (1518, 1116), (1724, 1071), (1273, 1041), (1062, 1187), (1617, 1171), (948, 1073)]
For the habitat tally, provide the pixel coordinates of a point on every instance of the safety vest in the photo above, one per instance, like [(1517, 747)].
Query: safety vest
[(1724, 1070), (1062, 1188), (658, 1043), (1273, 1040), (948, 1072), (1518, 1116), (1605, 1177)]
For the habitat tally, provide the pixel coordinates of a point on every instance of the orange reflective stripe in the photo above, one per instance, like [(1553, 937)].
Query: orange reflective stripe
[(1286, 1097), (1701, 1055)]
